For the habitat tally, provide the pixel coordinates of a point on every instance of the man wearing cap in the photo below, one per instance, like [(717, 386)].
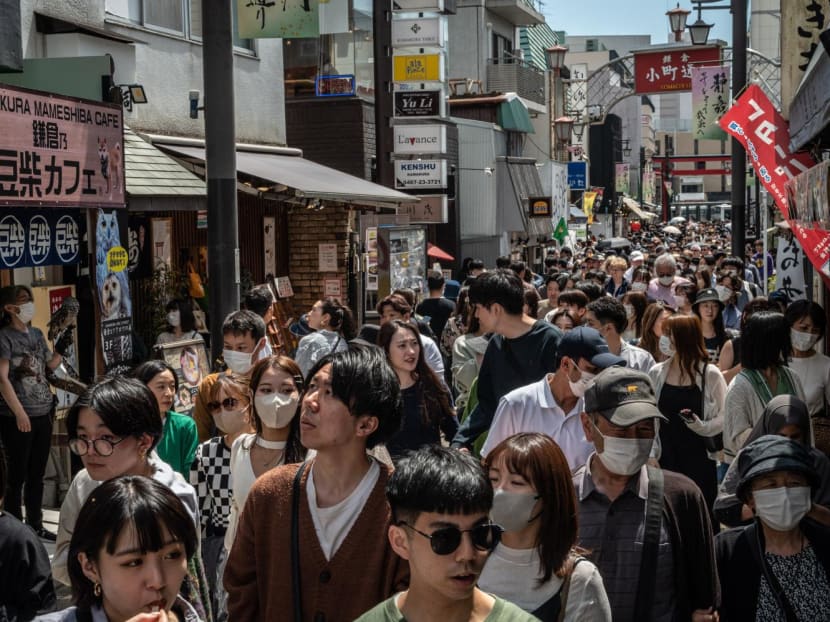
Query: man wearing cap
[(661, 287), (552, 405), (648, 530), (636, 258), (607, 315), (777, 567)]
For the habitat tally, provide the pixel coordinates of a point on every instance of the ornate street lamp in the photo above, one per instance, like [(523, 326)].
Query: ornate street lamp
[(677, 21), (556, 57), (699, 31), (563, 127)]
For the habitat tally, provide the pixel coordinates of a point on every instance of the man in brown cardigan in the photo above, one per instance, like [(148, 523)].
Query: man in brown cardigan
[(344, 562)]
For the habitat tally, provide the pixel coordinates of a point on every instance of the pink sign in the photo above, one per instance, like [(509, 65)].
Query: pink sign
[(59, 151)]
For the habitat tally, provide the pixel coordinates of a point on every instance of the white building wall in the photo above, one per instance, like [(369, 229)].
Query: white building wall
[(168, 66)]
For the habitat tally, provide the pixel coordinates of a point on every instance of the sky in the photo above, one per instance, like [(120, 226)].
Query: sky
[(629, 17)]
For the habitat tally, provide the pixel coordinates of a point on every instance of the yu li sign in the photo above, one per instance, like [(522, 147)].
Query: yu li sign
[(670, 69)]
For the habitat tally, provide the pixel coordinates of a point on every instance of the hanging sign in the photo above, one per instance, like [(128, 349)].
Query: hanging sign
[(420, 138), (789, 268), (418, 68), (418, 103), (431, 209), (420, 174), (421, 32), (670, 70), (710, 99)]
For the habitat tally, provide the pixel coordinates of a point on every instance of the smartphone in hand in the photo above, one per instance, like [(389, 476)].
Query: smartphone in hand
[(687, 415)]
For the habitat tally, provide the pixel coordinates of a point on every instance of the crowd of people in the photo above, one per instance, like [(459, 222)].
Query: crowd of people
[(637, 434)]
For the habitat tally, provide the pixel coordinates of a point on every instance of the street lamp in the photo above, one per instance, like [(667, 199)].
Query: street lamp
[(562, 127), (556, 57), (677, 21), (699, 31)]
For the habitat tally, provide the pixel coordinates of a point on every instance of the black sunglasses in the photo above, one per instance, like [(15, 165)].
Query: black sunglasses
[(228, 403), (446, 540)]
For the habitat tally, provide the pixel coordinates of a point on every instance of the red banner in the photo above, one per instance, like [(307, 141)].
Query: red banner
[(765, 135), (670, 70)]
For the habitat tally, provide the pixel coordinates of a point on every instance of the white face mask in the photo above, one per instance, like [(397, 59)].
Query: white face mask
[(680, 301), (801, 341), (624, 456), (724, 293), (665, 346), (513, 510), (638, 287), (27, 312), (230, 422), (237, 362), (579, 387), (174, 318), (630, 311), (666, 281), (782, 508), (275, 410)]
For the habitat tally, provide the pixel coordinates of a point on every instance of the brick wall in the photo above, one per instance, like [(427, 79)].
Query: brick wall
[(306, 231)]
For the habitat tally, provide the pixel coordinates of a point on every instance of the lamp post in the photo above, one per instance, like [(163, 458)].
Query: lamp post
[(563, 126), (677, 21), (699, 32), (556, 61)]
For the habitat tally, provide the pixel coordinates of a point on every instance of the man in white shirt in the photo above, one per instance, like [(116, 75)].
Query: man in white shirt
[(552, 405), (636, 259), (607, 315)]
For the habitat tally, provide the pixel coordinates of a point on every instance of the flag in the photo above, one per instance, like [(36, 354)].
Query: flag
[(588, 199), (561, 231)]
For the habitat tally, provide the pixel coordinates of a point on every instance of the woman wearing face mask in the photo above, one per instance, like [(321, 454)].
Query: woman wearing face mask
[(686, 381), (639, 280), (210, 472), (777, 567), (653, 317), (427, 406), (181, 323), (635, 304), (179, 438), (807, 325), (333, 325), (684, 296), (27, 407), (785, 415), (537, 564)]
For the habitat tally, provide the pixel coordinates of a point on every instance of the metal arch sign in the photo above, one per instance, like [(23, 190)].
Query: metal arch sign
[(670, 70)]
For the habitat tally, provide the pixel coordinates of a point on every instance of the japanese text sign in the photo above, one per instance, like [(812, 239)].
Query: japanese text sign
[(670, 70), (59, 151), (789, 268), (286, 18), (30, 237), (418, 68), (801, 23), (710, 99)]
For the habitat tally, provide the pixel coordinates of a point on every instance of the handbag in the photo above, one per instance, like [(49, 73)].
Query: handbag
[(713, 444), (195, 288)]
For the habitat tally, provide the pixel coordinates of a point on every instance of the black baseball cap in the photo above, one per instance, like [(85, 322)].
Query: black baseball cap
[(710, 294), (772, 453), (622, 395), (586, 343)]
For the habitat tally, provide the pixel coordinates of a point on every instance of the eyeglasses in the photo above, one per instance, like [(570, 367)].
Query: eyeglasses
[(229, 403), (103, 446), (446, 540)]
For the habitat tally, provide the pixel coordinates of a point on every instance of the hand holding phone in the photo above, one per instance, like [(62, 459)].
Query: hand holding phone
[(687, 415)]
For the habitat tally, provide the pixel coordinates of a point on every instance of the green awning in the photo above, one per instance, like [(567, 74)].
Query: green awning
[(513, 116)]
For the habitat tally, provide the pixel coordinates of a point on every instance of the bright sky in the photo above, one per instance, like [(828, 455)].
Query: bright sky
[(629, 17)]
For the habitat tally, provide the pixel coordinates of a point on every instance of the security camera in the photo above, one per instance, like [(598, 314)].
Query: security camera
[(194, 104), (488, 171)]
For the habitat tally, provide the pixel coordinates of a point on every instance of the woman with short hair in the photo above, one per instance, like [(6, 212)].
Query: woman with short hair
[(333, 324), (808, 324)]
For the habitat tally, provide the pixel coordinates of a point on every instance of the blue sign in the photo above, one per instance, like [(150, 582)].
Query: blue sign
[(577, 175), (334, 86), (50, 237)]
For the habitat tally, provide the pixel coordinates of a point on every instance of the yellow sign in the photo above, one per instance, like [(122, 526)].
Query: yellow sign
[(117, 259), (588, 199), (417, 68)]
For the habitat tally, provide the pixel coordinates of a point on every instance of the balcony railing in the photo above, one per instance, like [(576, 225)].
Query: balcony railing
[(513, 75)]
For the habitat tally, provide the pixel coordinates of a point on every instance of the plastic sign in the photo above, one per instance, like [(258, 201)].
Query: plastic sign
[(418, 103), (420, 174), (418, 33), (418, 68), (420, 138)]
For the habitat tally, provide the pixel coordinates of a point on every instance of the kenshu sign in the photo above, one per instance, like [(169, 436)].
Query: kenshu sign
[(420, 174), (420, 138), (59, 151), (670, 69)]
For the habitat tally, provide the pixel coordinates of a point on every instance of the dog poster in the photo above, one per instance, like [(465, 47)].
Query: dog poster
[(113, 289), (189, 359)]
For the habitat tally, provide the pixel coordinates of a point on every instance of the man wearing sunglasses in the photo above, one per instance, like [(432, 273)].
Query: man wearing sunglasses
[(648, 530), (441, 500)]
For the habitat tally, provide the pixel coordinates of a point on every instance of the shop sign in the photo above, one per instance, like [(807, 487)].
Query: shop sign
[(260, 19), (420, 138), (418, 5), (113, 289), (789, 268), (670, 70), (420, 174), (31, 238), (59, 151), (429, 210), (577, 175), (418, 103), (332, 288), (420, 32), (418, 68), (334, 86), (539, 207)]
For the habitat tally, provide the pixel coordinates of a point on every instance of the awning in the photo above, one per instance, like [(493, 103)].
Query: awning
[(522, 183), (512, 115), (51, 25), (306, 179), (156, 182), (577, 215), (640, 213), (437, 253), (810, 108)]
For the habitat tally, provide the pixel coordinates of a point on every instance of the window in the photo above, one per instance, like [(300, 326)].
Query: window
[(167, 16)]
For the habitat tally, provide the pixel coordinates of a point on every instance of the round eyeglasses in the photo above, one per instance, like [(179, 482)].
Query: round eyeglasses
[(103, 446)]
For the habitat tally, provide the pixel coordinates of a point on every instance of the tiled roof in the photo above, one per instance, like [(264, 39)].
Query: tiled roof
[(150, 172)]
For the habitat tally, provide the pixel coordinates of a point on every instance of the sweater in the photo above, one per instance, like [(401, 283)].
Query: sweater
[(25, 575), (258, 577), (179, 439), (740, 573)]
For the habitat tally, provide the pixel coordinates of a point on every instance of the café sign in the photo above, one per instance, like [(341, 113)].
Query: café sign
[(420, 138), (420, 174), (418, 68), (420, 32)]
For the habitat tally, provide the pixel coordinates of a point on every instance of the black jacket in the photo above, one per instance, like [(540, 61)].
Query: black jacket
[(739, 569)]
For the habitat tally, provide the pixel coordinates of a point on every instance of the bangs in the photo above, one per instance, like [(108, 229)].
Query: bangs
[(152, 530)]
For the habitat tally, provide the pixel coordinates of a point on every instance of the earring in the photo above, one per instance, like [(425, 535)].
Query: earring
[(142, 453), (97, 590)]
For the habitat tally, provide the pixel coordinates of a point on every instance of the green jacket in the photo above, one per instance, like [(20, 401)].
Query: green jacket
[(178, 443)]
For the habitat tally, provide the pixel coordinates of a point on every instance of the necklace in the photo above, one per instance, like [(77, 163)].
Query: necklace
[(266, 444)]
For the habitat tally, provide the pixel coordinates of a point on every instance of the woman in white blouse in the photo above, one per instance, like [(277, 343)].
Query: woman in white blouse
[(807, 325)]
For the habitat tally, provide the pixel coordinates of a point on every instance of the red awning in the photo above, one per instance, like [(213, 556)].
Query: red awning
[(436, 253)]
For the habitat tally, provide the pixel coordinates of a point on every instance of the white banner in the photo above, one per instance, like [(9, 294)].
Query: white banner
[(420, 138), (789, 268)]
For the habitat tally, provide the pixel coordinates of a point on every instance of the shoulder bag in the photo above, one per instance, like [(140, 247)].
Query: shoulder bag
[(297, 595), (644, 602)]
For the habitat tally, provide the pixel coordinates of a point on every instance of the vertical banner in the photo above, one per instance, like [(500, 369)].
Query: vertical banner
[(710, 99), (290, 19), (621, 178), (801, 24), (113, 288), (559, 191), (588, 199), (789, 267)]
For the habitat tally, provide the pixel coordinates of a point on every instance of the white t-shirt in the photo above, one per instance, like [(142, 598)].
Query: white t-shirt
[(512, 574), (814, 374), (334, 523)]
